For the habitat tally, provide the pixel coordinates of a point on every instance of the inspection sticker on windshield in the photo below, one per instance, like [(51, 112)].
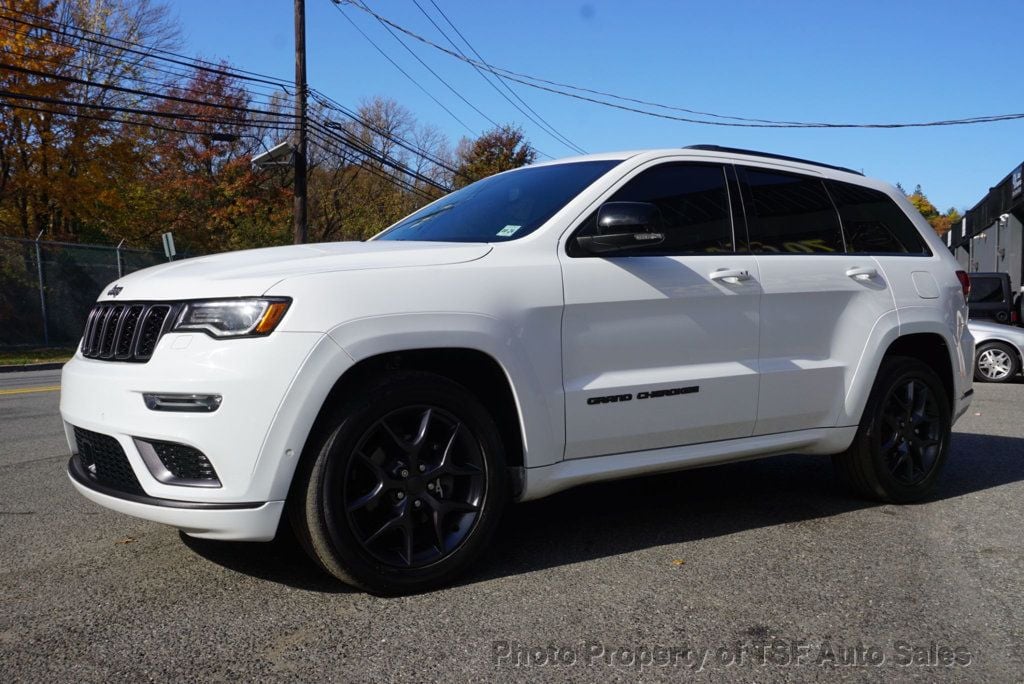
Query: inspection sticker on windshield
[(508, 230)]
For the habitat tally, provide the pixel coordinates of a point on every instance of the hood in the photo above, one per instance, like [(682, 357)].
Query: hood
[(253, 272)]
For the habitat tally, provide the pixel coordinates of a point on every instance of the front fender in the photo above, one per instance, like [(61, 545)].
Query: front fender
[(540, 406)]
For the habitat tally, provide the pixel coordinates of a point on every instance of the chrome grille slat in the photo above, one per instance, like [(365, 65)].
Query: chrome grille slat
[(125, 331)]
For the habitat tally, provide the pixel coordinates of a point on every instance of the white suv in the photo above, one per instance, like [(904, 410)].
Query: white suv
[(594, 318)]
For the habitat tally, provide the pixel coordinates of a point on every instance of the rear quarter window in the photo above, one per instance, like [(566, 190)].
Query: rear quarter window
[(873, 223)]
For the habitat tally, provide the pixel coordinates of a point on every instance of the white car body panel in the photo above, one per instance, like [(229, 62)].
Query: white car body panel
[(784, 361)]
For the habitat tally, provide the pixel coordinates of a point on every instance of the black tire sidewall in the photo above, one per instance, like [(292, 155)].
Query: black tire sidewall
[(337, 450)]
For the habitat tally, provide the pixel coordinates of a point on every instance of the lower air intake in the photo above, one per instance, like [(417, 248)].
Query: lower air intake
[(104, 462)]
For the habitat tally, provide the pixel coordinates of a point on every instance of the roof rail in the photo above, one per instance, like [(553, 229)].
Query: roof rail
[(768, 155)]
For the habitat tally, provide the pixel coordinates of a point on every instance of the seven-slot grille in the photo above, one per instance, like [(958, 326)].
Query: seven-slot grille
[(125, 331)]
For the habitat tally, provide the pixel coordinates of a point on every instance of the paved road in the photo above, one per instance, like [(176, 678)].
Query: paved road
[(765, 553)]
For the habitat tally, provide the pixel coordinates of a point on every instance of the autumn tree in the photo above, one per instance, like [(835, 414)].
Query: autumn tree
[(100, 142), (357, 182), (940, 222), (198, 181), (497, 150), (57, 159)]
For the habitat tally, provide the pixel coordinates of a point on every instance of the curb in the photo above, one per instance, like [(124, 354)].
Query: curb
[(32, 367)]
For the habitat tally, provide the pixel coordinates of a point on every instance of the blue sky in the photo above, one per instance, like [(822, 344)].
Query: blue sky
[(857, 61)]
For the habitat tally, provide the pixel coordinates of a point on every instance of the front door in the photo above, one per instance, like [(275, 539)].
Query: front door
[(660, 346)]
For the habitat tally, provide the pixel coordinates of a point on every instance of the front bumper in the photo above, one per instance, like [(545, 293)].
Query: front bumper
[(236, 522), (271, 387)]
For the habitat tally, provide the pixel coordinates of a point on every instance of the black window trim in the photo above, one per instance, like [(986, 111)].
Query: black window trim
[(574, 253)]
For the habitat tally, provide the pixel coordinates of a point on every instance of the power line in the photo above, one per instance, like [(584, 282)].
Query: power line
[(396, 139), (134, 110), (135, 91), (141, 49), (362, 147), (109, 71), (124, 122), (327, 138), (442, 80), (534, 117), (437, 76), (332, 145), (336, 107), (403, 71), (731, 121), (404, 173)]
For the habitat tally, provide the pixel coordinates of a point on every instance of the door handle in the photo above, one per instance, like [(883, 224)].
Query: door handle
[(730, 275), (859, 273)]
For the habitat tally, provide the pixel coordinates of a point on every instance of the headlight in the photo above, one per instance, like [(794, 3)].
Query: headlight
[(232, 317)]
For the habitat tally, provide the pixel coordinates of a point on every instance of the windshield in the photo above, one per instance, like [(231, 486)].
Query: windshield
[(500, 208)]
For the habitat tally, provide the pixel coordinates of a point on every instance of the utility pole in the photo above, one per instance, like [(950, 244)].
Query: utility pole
[(299, 155)]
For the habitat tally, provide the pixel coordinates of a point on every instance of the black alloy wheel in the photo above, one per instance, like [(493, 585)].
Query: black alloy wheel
[(912, 432), (415, 488)]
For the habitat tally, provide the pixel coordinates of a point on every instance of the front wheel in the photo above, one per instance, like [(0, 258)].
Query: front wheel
[(903, 438), (995, 362), (403, 487)]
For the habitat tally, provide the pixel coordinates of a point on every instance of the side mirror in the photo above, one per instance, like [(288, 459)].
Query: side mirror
[(622, 226)]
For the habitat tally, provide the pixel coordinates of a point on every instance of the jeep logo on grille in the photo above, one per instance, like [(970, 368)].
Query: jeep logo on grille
[(114, 291)]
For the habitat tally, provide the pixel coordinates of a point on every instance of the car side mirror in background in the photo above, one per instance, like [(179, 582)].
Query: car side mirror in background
[(622, 226)]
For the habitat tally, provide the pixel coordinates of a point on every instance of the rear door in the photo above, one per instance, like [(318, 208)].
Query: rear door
[(660, 346), (819, 303)]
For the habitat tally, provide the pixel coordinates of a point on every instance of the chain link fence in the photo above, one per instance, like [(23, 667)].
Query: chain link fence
[(47, 288)]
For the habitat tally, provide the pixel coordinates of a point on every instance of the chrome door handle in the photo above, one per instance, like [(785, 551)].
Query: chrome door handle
[(858, 273), (730, 275)]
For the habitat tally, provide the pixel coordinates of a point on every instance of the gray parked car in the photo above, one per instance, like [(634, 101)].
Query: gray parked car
[(998, 350)]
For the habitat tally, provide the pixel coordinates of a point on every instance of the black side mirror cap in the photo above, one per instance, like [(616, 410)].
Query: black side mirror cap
[(628, 217), (624, 226)]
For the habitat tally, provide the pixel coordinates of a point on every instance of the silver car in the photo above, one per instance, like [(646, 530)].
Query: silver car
[(998, 350)]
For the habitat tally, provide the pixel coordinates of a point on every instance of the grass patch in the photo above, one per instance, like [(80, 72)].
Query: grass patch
[(16, 357)]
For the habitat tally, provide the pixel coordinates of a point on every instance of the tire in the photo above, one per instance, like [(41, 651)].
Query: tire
[(995, 362), (903, 438), (401, 488)]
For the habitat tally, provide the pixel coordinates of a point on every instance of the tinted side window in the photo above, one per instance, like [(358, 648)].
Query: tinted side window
[(694, 204), (873, 223), (985, 290), (790, 214)]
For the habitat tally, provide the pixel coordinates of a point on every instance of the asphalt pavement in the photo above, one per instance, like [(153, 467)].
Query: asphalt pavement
[(757, 571)]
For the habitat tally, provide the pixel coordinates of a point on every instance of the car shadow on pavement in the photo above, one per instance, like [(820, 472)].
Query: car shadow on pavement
[(282, 561), (612, 518)]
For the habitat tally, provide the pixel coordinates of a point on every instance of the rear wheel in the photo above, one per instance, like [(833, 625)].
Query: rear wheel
[(403, 487), (995, 362), (903, 438)]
